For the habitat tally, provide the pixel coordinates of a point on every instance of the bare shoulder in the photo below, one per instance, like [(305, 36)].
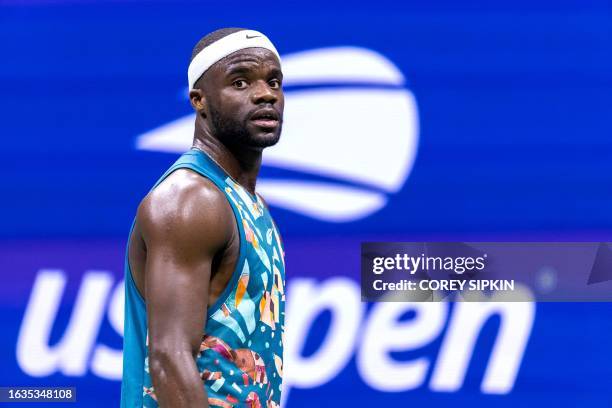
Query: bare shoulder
[(186, 207)]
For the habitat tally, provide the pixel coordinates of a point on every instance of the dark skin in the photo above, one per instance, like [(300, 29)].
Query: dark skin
[(185, 242)]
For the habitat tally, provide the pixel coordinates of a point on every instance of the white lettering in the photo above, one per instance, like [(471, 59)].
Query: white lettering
[(305, 301), (458, 345), (383, 333), (107, 362), (70, 354)]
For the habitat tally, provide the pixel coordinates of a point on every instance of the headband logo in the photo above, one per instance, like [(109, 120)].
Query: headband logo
[(222, 48)]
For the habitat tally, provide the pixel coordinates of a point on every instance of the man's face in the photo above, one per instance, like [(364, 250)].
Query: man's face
[(245, 98)]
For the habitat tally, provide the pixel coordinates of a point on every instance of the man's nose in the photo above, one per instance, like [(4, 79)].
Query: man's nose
[(262, 93)]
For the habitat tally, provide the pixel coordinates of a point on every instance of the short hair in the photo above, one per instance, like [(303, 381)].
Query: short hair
[(209, 39), (212, 37)]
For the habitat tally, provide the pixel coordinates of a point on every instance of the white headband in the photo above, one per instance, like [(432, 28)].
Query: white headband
[(224, 47)]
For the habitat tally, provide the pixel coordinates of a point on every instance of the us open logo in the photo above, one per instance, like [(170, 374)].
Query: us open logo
[(350, 135)]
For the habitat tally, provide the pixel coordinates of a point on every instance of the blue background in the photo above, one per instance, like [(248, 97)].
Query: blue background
[(514, 103)]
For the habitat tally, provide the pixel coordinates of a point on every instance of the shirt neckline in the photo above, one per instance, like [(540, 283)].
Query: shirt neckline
[(253, 197)]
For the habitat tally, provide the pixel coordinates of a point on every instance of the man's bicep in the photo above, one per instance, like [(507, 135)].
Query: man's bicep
[(184, 224), (176, 293)]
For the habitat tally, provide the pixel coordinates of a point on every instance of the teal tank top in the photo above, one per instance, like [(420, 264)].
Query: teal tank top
[(241, 354)]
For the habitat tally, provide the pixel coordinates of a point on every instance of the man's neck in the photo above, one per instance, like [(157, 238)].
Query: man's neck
[(241, 164)]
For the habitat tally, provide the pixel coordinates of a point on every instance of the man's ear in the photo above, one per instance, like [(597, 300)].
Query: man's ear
[(198, 101)]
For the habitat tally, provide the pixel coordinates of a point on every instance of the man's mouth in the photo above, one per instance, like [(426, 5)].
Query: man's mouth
[(265, 118)]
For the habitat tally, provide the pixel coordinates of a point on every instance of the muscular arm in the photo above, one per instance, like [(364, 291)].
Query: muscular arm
[(184, 222)]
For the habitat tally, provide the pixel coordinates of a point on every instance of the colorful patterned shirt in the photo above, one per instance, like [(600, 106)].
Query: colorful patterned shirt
[(241, 354)]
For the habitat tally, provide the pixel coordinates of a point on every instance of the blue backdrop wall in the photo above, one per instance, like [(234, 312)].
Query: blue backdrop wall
[(404, 121)]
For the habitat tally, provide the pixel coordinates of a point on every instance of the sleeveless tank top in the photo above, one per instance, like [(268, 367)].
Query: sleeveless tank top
[(241, 354)]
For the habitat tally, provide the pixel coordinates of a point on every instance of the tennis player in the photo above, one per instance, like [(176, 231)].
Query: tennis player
[(205, 276)]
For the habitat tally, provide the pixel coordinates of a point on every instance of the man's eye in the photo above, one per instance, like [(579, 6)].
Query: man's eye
[(274, 83), (240, 84)]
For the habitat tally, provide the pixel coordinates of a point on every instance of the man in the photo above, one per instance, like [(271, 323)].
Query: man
[(204, 316)]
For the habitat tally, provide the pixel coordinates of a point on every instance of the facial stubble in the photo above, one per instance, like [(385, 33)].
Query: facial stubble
[(235, 132)]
